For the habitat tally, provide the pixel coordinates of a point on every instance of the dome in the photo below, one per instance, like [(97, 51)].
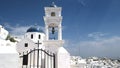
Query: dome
[(35, 29)]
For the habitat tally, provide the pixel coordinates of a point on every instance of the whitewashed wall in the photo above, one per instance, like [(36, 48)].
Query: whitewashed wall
[(9, 61), (3, 33), (21, 45), (63, 58), (35, 36)]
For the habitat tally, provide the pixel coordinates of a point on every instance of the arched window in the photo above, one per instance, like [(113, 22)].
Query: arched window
[(39, 36), (52, 13), (31, 36)]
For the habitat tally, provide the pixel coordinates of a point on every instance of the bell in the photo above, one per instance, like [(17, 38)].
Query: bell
[(53, 30)]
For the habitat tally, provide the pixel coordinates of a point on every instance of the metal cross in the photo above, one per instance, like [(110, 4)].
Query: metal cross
[(38, 44)]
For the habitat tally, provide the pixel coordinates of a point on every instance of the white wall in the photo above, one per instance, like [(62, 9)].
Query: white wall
[(9, 60), (3, 33), (35, 36), (63, 58), (7, 47), (21, 45)]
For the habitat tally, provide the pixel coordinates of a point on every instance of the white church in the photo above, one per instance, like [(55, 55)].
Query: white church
[(44, 49)]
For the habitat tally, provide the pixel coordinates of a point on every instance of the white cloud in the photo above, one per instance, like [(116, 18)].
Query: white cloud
[(107, 47), (97, 35), (18, 31)]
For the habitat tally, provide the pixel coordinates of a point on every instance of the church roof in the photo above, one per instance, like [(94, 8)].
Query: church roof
[(35, 29)]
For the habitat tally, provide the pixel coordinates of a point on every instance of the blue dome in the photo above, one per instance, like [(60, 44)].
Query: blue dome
[(35, 29)]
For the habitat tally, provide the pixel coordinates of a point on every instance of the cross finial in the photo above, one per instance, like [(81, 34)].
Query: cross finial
[(53, 4)]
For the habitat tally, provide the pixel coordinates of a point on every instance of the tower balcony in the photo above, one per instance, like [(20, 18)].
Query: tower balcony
[(55, 20), (58, 43)]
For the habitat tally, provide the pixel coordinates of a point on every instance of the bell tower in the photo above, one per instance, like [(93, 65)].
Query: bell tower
[(53, 25), (53, 21), (53, 41)]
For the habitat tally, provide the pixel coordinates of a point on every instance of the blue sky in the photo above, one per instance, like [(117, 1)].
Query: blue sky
[(90, 27)]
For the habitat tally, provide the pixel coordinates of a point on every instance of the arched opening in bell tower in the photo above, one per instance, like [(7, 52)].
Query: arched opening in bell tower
[(53, 33), (52, 13)]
